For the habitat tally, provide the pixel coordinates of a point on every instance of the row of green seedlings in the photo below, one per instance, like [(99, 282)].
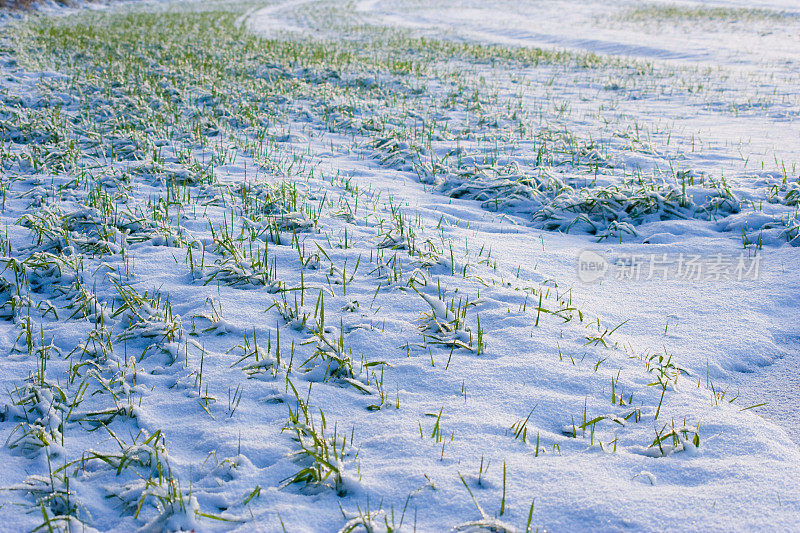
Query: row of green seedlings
[(666, 374), (325, 456), (130, 298), (132, 303), (38, 434), (330, 353), (609, 215), (141, 316)]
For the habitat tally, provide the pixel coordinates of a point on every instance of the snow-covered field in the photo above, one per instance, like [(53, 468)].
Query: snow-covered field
[(322, 265)]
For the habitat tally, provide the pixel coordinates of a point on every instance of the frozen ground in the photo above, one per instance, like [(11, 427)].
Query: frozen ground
[(314, 265)]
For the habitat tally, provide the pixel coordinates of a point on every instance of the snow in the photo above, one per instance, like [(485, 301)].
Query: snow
[(438, 318)]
